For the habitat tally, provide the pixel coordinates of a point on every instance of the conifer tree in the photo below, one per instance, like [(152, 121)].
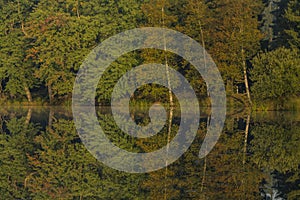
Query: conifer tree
[(292, 16)]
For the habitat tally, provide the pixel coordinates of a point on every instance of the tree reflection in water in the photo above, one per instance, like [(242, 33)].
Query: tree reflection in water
[(42, 157)]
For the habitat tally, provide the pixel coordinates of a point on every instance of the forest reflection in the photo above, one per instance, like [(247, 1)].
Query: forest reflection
[(42, 157)]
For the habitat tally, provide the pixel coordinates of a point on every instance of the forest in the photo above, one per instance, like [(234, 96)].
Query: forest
[(254, 43)]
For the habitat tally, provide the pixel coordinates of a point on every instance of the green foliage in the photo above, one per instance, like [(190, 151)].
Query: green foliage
[(15, 144), (112, 75), (234, 36), (293, 20), (16, 68), (63, 168), (275, 150), (273, 24), (276, 75), (276, 147), (43, 43), (50, 161)]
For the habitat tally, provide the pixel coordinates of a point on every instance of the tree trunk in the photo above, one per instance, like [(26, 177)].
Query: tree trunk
[(246, 80), (171, 102), (28, 94), (204, 55), (245, 66), (21, 20), (229, 86), (77, 9), (1, 90)]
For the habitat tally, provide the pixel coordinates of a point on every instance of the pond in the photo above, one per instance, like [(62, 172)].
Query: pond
[(42, 157)]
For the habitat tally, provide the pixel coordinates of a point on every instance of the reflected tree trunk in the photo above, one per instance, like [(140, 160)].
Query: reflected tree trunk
[(28, 116), (50, 94), (205, 160), (204, 174), (50, 118), (1, 123), (245, 150), (246, 137)]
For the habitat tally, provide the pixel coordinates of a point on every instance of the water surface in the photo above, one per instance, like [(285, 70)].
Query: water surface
[(42, 157)]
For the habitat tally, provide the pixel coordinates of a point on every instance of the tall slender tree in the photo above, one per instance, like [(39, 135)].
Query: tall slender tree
[(236, 38)]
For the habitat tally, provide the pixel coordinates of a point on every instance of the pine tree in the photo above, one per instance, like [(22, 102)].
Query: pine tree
[(292, 16), (273, 24)]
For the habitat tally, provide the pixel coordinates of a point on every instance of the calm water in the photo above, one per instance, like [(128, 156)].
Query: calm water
[(42, 157)]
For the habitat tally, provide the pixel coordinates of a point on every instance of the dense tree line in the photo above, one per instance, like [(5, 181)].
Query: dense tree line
[(255, 44)]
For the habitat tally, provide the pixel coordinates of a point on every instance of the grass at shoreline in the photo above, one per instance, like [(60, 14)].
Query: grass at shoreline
[(292, 104)]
